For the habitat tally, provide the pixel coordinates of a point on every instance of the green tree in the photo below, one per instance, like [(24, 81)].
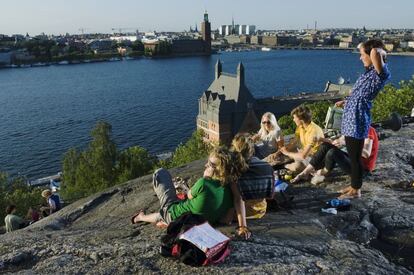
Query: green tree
[(16, 191), (195, 148), (133, 163), (287, 125), (319, 110), (92, 170)]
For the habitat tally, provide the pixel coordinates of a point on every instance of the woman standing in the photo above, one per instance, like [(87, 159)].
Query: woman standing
[(357, 113), (269, 138)]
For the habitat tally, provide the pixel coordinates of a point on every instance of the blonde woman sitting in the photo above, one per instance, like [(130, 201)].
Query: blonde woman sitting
[(269, 138)]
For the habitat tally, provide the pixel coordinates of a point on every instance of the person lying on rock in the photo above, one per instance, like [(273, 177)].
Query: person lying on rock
[(306, 140), (329, 154), (269, 138), (258, 171), (211, 196)]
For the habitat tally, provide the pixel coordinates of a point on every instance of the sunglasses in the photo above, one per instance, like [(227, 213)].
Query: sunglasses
[(266, 122)]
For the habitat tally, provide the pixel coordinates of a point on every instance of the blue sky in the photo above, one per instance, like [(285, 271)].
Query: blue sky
[(61, 16)]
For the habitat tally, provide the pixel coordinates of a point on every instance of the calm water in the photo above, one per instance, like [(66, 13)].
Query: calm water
[(152, 103)]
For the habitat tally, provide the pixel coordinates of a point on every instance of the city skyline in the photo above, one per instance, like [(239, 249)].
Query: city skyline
[(93, 16)]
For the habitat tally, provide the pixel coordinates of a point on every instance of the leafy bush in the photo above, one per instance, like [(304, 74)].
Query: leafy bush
[(134, 162), (194, 149), (318, 110), (392, 99), (16, 191)]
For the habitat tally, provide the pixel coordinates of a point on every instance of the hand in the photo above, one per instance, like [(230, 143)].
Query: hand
[(379, 51), (243, 232), (283, 150), (208, 172), (340, 103)]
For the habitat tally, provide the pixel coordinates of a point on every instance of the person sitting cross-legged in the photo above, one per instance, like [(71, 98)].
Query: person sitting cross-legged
[(306, 140), (330, 154)]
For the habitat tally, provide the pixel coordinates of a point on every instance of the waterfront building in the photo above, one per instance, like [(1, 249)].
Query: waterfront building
[(256, 39), (227, 107)]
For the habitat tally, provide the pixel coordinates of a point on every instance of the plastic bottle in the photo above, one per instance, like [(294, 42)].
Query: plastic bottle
[(280, 186), (329, 211)]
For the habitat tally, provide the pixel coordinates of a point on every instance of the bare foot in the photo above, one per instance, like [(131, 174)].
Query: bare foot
[(351, 194), (138, 217), (345, 190)]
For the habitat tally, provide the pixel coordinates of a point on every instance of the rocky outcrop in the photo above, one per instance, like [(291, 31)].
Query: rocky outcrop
[(94, 235)]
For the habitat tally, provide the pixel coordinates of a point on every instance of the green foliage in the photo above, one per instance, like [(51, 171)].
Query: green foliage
[(318, 110), (392, 99), (133, 163), (101, 165), (287, 125), (195, 148), (16, 191)]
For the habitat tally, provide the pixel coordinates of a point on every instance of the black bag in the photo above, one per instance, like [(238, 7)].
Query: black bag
[(185, 251), (258, 181)]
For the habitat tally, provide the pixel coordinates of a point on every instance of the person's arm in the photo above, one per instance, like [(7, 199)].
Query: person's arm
[(240, 208), (339, 142), (256, 137), (377, 56), (301, 155), (280, 141), (52, 205), (367, 149)]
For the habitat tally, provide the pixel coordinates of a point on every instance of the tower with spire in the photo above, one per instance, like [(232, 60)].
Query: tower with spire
[(206, 32)]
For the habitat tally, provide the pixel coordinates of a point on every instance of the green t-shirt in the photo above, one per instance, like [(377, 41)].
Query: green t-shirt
[(210, 199)]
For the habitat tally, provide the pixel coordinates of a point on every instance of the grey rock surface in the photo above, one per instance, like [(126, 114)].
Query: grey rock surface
[(94, 235)]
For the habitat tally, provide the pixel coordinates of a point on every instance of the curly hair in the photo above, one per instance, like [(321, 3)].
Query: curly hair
[(230, 165), (243, 143), (303, 113)]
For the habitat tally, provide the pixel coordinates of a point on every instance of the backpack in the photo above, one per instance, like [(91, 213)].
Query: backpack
[(177, 242)]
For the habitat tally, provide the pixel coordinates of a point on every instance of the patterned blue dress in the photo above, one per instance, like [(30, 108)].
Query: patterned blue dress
[(357, 114)]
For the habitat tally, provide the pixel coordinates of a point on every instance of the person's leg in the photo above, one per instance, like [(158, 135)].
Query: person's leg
[(164, 187), (337, 156), (354, 148), (296, 166), (318, 159)]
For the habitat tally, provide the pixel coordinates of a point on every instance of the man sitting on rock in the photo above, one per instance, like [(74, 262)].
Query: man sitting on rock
[(12, 221), (306, 140), (330, 154)]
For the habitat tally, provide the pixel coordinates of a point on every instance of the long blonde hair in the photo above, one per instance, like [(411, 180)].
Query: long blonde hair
[(267, 135), (230, 165)]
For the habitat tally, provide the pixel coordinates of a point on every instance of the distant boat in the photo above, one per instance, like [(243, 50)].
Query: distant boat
[(266, 49)]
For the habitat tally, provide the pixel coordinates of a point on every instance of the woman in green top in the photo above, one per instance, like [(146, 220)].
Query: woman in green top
[(211, 196)]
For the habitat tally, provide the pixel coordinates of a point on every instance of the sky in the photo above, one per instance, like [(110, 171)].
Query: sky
[(61, 16)]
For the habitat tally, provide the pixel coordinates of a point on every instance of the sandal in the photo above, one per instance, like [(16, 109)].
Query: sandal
[(136, 214)]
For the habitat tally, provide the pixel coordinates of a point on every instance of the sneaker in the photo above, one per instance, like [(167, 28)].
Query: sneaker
[(316, 179)]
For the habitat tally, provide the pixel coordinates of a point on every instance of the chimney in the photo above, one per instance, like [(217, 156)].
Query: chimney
[(240, 73), (218, 69)]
